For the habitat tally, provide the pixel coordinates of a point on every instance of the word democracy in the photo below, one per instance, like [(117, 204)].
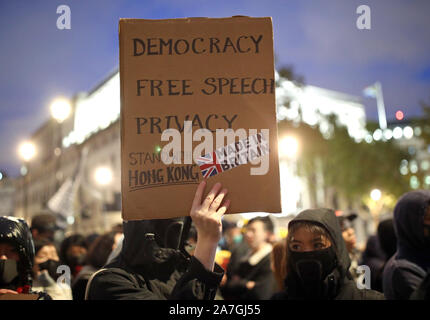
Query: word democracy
[(212, 45)]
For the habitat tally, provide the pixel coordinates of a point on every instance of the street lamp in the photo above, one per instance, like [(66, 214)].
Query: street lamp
[(103, 176), (60, 109), (288, 147), (375, 194), (26, 151)]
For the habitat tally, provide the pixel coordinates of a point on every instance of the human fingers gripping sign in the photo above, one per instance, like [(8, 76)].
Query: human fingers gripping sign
[(206, 215)]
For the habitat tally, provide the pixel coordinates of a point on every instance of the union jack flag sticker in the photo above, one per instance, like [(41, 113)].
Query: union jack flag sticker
[(208, 165)]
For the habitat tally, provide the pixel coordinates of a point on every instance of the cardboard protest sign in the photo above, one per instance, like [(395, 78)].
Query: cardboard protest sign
[(197, 101)]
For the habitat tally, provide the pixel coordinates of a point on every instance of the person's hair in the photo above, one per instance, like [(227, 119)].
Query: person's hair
[(100, 250), (73, 240), (267, 223), (314, 228), (39, 244), (279, 263)]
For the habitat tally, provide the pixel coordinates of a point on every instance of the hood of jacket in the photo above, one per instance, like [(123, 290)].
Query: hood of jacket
[(409, 227), (150, 247), (17, 233), (327, 219)]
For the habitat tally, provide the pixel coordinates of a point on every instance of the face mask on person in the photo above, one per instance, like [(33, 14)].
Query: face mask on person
[(8, 271), (77, 260), (51, 266), (312, 267)]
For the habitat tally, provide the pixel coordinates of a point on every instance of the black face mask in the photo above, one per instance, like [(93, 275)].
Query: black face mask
[(8, 272), (311, 269), (51, 266), (75, 261)]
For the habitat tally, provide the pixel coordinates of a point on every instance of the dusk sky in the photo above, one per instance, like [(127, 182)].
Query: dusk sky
[(319, 38)]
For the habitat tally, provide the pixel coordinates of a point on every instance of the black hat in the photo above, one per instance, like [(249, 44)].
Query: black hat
[(345, 221)]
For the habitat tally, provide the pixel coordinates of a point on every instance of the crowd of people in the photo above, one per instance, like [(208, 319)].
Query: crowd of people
[(177, 258)]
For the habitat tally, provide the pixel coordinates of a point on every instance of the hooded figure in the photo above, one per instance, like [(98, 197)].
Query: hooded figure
[(323, 273), (408, 267), (17, 275), (16, 233), (374, 257), (154, 265)]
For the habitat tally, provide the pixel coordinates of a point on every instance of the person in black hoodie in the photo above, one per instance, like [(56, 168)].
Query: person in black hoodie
[(318, 261), (16, 258), (153, 263), (405, 271)]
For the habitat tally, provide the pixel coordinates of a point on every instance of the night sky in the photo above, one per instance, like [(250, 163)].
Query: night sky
[(319, 38)]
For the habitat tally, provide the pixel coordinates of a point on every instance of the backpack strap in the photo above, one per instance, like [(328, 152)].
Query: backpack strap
[(131, 276)]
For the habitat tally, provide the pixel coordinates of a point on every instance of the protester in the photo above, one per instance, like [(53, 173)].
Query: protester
[(43, 227), (406, 270), (379, 250), (16, 258), (73, 252), (232, 235), (374, 257), (253, 277), (153, 263), (348, 234), (96, 258), (279, 264), (318, 261), (387, 237), (45, 269)]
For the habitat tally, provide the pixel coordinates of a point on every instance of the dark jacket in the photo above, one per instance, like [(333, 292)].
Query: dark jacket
[(374, 257), (340, 285), (145, 270), (250, 268), (405, 271), (423, 291)]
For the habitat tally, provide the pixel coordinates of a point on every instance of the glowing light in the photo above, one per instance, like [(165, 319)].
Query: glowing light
[(377, 135), (27, 151), (404, 170), (414, 182), (1, 176), (414, 166), (60, 109), (388, 134), (427, 180), (375, 194), (23, 170), (289, 147), (368, 138), (103, 176), (400, 115), (397, 133), (408, 132)]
